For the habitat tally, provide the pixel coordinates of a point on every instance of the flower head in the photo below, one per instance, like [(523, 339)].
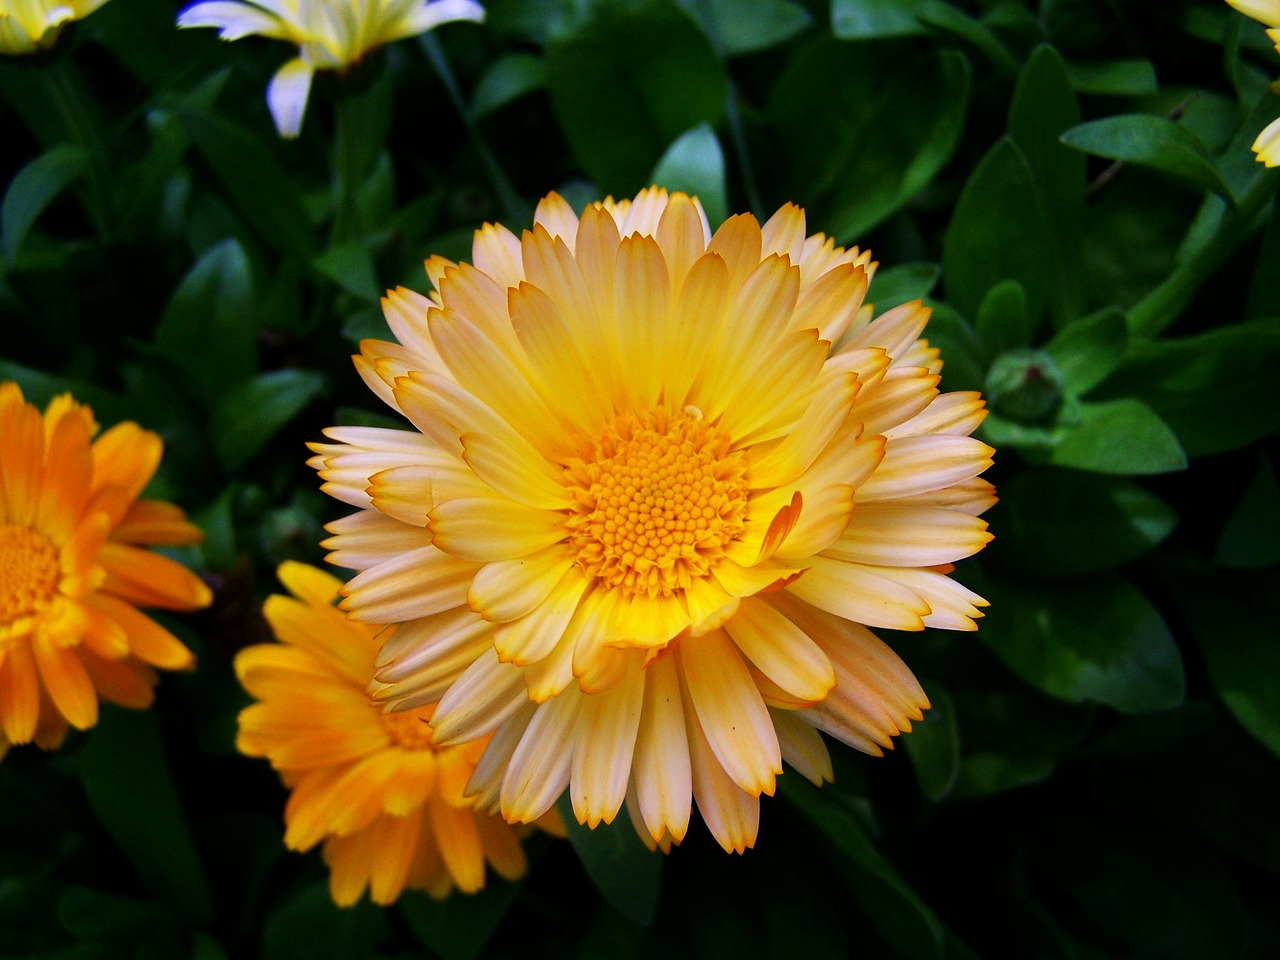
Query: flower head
[(30, 25), (74, 570), (388, 805), (330, 35), (664, 481), (1267, 12)]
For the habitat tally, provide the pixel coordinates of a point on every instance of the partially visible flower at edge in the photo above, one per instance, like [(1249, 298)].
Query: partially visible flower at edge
[(388, 805), (1267, 12), (30, 25), (664, 481), (330, 34), (73, 570)]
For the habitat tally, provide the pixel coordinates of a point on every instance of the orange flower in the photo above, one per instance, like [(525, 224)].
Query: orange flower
[(389, 806), (74, 570), (665, 480)]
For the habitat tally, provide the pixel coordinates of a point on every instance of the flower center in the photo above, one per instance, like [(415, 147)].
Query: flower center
[(408, 728), (658, 498), (28, 572)]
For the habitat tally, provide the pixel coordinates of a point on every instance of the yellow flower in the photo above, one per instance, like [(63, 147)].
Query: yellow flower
[(388, 805), (1267, 12), (676, 476), (330, 34), (30, 25), (73, 570)]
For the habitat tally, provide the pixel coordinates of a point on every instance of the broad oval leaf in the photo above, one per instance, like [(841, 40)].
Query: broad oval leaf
[(1123, 437), (32, 189), (1088, 350), (246, 417), (1066, 523), (207, 330), (626, 80), (1154, 142), (695, 164), (1096, 640), (626, 873), (126, 775)]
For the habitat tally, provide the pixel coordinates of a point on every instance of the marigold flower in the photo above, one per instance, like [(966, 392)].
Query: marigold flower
[(330, 34), (625, 541), (30, 25), (388, 805), (1267, 12), (73, 570)]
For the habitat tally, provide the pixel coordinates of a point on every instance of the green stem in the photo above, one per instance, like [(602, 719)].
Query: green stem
[(60, 83), (345, 172), (517, 210), (1163, 305)]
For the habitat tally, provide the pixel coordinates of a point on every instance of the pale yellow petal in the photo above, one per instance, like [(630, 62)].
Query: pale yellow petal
[(782, 650), (540, 767), (662, 776), (730, 711), (602, 750), (802, 746)]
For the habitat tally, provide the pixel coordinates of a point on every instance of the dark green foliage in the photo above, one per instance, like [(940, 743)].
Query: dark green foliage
[(1067, 183)]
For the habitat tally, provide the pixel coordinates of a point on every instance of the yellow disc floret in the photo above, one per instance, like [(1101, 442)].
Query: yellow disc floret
[(408, 729), (29, 572), (658, 497)]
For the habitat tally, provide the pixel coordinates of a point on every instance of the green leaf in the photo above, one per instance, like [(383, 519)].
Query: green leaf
[(946, 18), (207, 330), (508, 78), (862, 136), (310, 925), (999, 231), (458, 927), (97, 915), (1162, 899), (627, 874), (1123, 437), (1231, 616), (964, 360), (1264, 287), (1060, 523), (351, 267), (745, 26), (126, 776), (986, 774), (1043, 108), (1251, 537), (1113, 78), (627, 79), (896, 285), (263, 193), (1152, 142), (1088, 351), (934, 744), (1004, 322), (31, 191), (870, 19), (1215, 389), (695, 164), (247, 416), (900, 915), (1095, 640)]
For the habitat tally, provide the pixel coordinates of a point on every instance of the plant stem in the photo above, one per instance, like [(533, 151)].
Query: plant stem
[(517, 210), (1163, 305)]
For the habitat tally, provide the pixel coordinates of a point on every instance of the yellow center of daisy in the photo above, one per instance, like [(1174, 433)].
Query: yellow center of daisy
[(657, 499), (408, 728), (28, 572)]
